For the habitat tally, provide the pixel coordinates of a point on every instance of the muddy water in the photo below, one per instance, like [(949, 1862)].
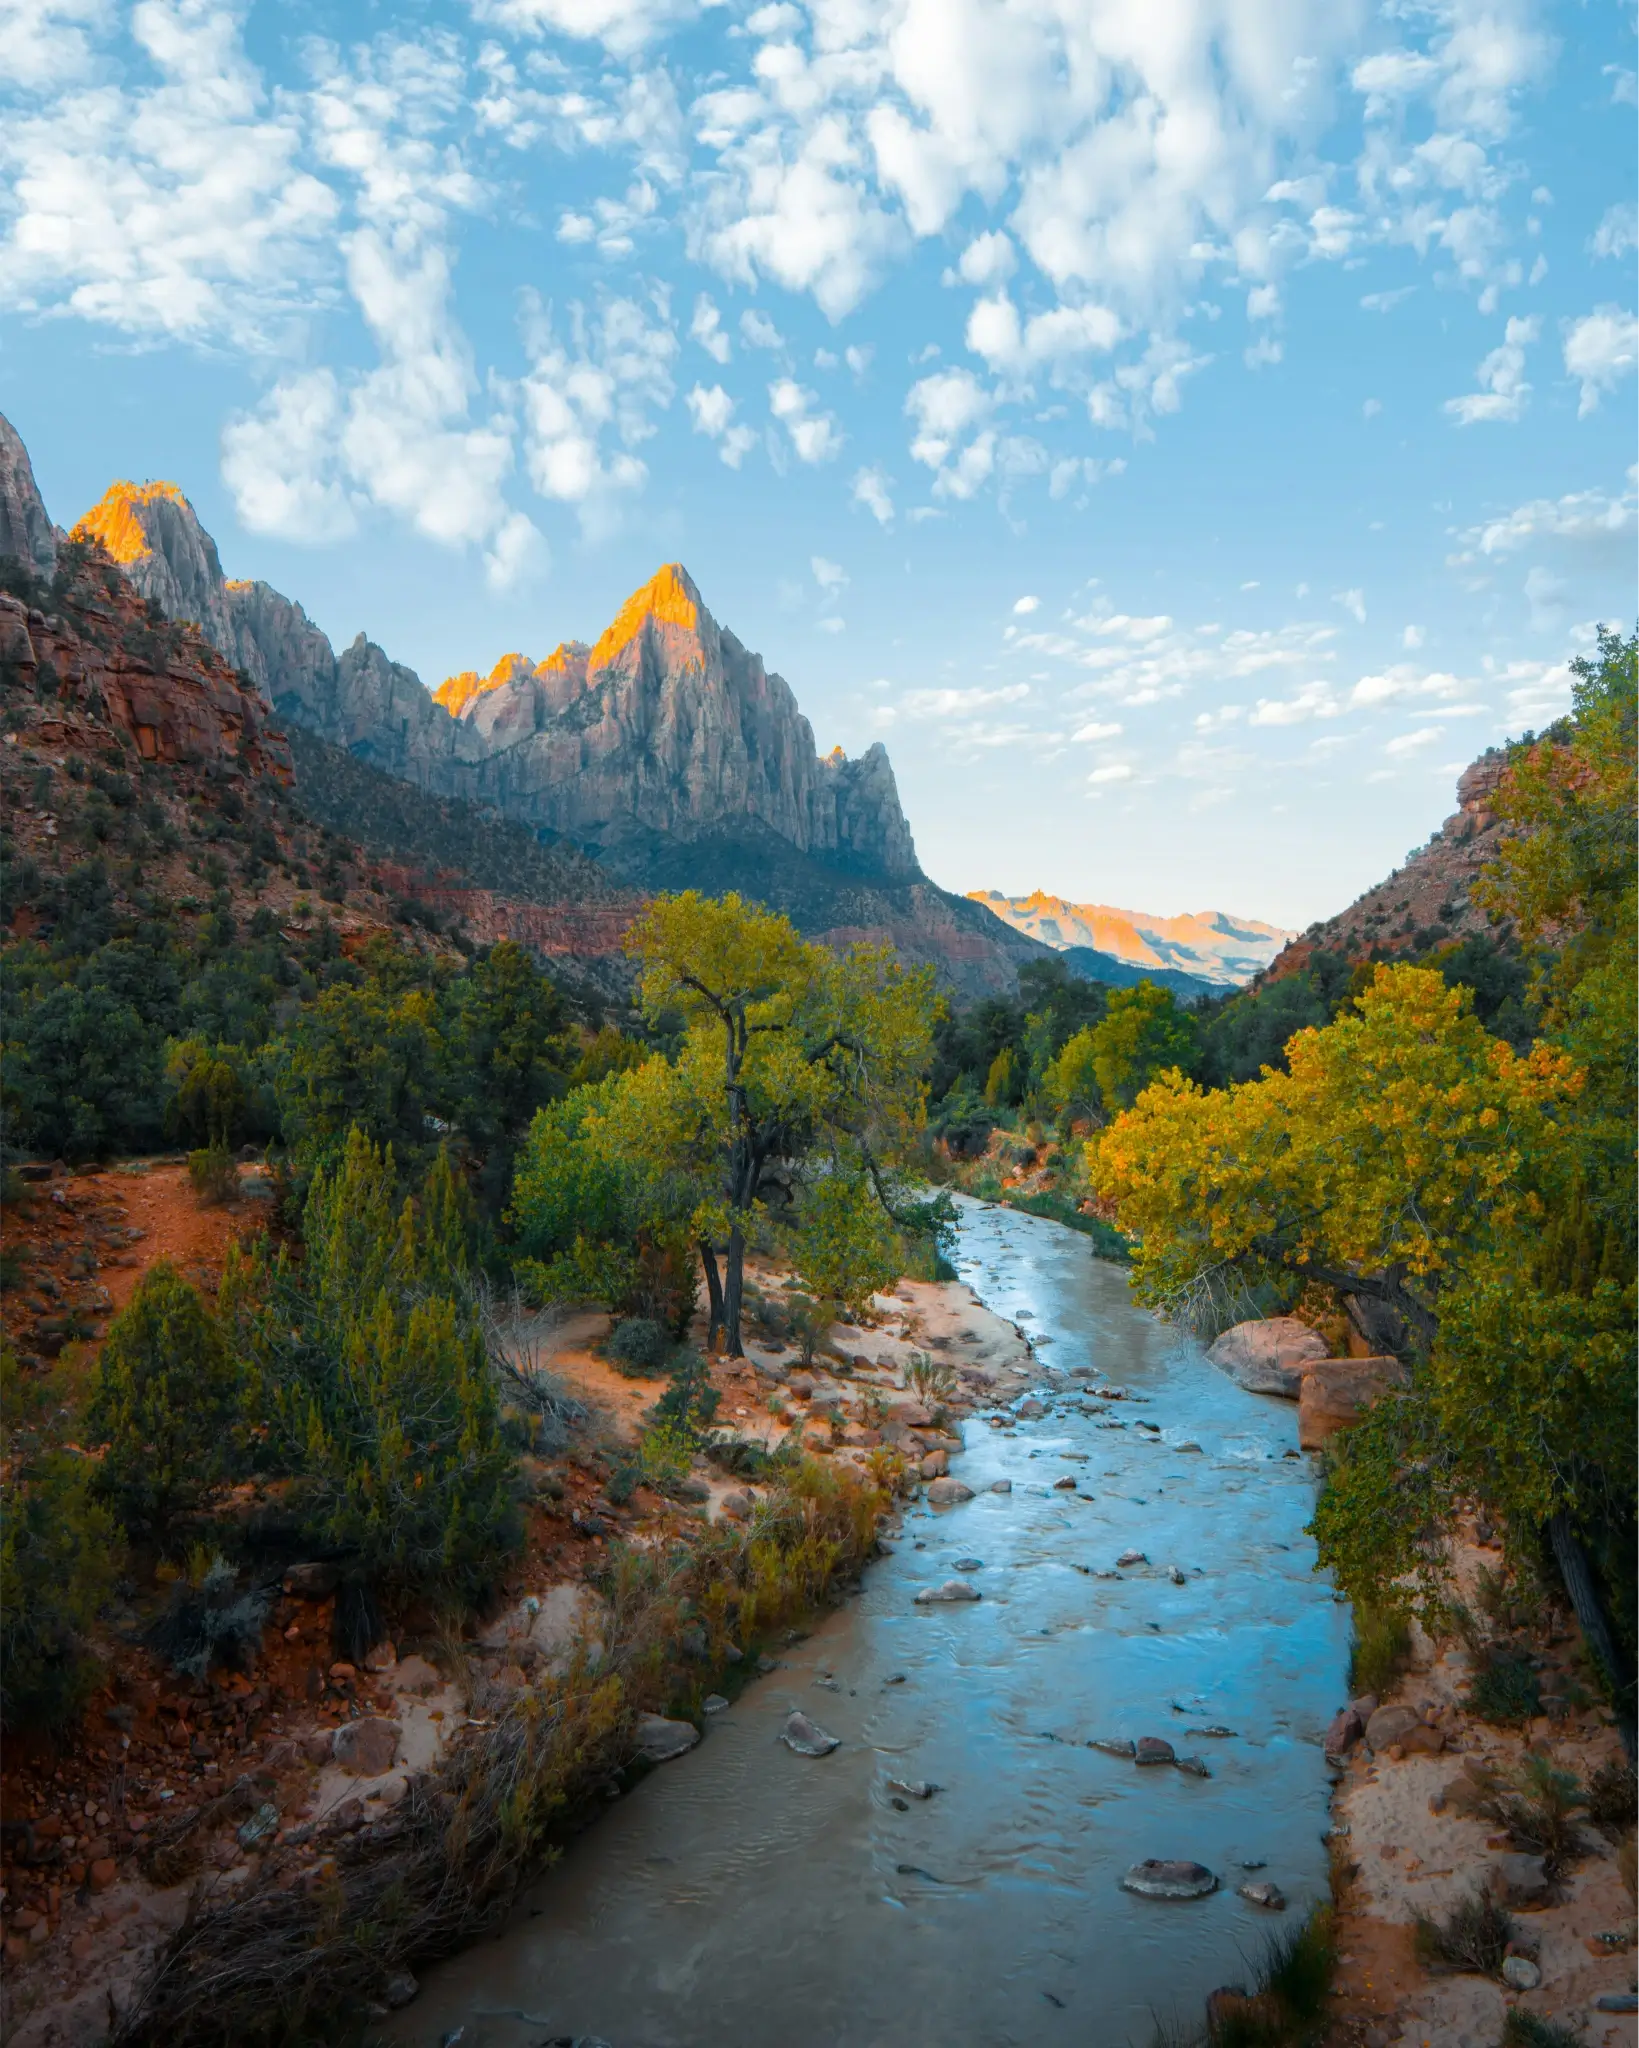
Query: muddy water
[(746, 1895)]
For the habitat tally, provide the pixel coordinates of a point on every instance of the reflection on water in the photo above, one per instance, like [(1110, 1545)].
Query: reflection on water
[(749, 1896)]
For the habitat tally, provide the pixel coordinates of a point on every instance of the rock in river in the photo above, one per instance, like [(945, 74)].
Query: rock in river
[(1132, 1557), (806, 1737), (1112, 1745), (659, 1740), (1262, 1893), (1001, 1486), (1269, 1357), (1152, 1750), (1158, 1879), (951, 1590), (948, 1493)]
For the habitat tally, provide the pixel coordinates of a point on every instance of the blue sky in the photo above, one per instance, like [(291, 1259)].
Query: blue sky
[(1185, 434)]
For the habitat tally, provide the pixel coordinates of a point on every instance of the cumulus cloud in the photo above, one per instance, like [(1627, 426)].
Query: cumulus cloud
[(1600, 351), (622, 26), (830, 576), (1618, 231), (1024, 605), (707, 329), (871, 491), (712, 412), (758, 331), (1580, 519), (587, 400), (814, 434), (1501, 376), (1314, 700)]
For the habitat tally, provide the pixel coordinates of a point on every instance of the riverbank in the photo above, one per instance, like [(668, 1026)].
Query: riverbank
[(184, 1798)]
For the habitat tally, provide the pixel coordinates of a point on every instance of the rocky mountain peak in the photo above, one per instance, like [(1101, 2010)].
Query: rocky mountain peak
[(154, 534), (455, 693), (668, 603), (26, 532)]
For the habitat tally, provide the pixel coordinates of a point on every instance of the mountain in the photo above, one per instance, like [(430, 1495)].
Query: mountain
[(1427, 900), (1208, 950), (664, 751)]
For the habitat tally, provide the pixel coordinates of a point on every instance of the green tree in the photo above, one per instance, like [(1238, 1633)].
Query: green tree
[(785, 1045), (374, 1380), (843, 1242), (167, 1401), (1004, 1083), (1070, 1081), (370, 1058), (1143, 1033), (502, 1024)]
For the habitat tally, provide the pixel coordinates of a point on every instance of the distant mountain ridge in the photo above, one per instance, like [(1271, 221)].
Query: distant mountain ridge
[(664, 749), (1206, 947)]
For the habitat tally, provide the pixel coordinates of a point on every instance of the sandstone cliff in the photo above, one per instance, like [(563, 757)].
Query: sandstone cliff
[(1426, 901), (26, 532)]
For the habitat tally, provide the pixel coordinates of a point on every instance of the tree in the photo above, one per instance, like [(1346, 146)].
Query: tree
[(1004, 1081), (784, 1044), (1143, 1033), (1070, 1080), (503, 1026), (843, 1243), (168, 1402), (368, 1058), (374, 1381)]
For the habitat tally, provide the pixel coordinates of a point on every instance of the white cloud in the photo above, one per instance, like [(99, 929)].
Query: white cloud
[(1397, 684), (988, 259), (587, 401), (1051, 340), (712, 412), (1600, 350), (833, 625), (277, 463), (1501, 375), (1412, 638), (1353, 602), (858, 359), (1112, 771), (758, 331), (1580, 518), (952, 703), (1314, 700), (1094, 730), (1618, 231), (814, 435), (871, 491), (828, 575), (707, 329), (1408, 743), (623, 26), (1024, 605)]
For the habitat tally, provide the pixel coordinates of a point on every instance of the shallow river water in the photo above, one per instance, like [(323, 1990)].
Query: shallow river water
[(748, 1896)]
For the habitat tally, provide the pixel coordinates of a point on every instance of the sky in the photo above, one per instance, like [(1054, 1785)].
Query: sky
[(1185, 432)]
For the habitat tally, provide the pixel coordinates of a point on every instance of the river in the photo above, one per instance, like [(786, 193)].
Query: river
[(750, 1896)]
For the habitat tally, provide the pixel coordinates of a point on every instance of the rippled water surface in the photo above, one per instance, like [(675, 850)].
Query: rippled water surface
[(749, 1896)]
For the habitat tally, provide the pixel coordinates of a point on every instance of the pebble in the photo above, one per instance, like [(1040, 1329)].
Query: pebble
[(1617, 2001), (1519, 1973), (806, 1737), (970, 1564), (1001, 1486)]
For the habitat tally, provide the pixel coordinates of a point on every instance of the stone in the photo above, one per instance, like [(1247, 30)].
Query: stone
[(102, 1873), (1617, 2001), (806, 1737), (1001, 1486), (916, 1788), (1065, 1485), (1390, 1726), (1112, 1745), (713, 1703), (802, 1386), (366, 1748), (382, 1658), (1518, 1881), (950, 1592), (1343, 1732), (1175, 1573), (398, 1991), (1157, 1878), (1337, 1392), (312, 1581), (1269, 1356), (262, 1823), (660, 1740), (1152, 1749), (1131, 1557), (736, 1506), (949, 1493), (414, 1674), (935, 1465), (1262, 1893), (1422, 1741), (1030, 1410), (1519, 1973), (1193, 1766), (970, 1564)]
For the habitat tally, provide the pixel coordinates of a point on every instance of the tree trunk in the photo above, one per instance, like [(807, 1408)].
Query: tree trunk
[(733, 1282), (1586, 1598), (714, 1294)]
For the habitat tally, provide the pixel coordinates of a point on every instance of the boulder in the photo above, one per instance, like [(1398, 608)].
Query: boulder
[(1390, 1725), (948, 1493), (1269, 1357), (1001, 1486), (659, 1740), (399, 1990), (951, 1591), (935, 1465), (1132, 1557), (1338, 1391), (1151, 1749), (367, 1747), (1343, 1733), (736, 1506), (1157, 1878), (807, 1737), (1260, 1892), (312, 1581), (1518, 1881)]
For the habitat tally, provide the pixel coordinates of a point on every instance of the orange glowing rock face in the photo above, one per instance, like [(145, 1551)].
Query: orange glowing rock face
[(455, 693), (668, 598), (114, 522)]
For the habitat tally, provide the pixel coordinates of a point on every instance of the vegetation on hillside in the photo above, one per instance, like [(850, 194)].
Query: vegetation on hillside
[(1473, 1202)]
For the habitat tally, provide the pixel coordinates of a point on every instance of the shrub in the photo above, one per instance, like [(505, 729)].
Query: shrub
[(210, 1621), (1541, 1815), (214, 1176), (810, 1324), (167, 1401), (639, 1347), (59, 1551), (1613, 1798), (1506, 1691), (690, 1400), (932, 1380), (1474, 1936), (1524, 2029), (1377, 1654)]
